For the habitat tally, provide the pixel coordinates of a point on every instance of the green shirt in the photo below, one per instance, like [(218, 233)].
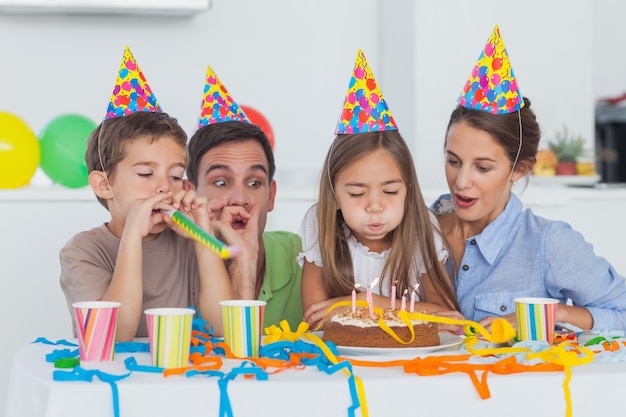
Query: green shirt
[(281, 283)]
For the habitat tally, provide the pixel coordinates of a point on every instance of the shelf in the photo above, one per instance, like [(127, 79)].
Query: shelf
[(172, 8)]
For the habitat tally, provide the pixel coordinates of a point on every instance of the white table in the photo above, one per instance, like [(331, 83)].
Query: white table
[(597, 389)]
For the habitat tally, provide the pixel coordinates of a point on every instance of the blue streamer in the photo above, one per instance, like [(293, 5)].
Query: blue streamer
[(132, 347), (132, 365), (58, 342), (81, 374), (61, 354)]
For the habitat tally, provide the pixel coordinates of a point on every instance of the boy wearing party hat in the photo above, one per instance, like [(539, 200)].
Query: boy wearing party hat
[(232, 164), (136, 161), (371, 228), (499, 250)]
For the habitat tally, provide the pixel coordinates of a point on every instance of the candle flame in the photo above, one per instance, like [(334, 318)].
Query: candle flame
[(357, 286), (417, 286), (405, 291), (374, 282)]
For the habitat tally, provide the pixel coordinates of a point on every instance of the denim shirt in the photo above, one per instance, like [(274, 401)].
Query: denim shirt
[(520, 254)]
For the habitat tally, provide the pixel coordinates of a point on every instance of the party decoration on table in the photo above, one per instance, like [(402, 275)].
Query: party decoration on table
[(492, 86), (364, 108), (131, 93), (63, 144), (217, 104), (185, 223), (257, 118), (19, 151)]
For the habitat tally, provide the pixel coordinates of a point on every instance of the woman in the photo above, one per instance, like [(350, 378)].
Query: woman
[(501, 251)]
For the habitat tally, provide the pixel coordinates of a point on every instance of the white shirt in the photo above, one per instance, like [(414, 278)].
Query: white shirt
[(367, 265)]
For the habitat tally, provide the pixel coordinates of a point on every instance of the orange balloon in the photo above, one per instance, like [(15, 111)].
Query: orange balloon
[(257, 118)]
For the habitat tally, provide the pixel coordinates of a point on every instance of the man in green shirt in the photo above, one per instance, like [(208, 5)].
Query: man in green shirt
[(232, 164)]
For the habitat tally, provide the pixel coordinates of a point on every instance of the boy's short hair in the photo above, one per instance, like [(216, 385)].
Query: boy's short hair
[(213, 135), (106, 144)]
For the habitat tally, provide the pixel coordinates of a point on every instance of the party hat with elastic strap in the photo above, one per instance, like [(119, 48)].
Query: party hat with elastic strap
[(364, 109), (131, 93), (217, 104), (492, 86)]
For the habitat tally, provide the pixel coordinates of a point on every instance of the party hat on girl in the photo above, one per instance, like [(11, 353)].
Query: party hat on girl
[(364, 109), (217, 103), (131, 93), (492, 86)]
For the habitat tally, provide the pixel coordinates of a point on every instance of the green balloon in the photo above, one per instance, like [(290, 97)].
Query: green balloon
[(63, 143)]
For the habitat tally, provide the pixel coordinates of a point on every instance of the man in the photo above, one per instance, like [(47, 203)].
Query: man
[(232, 164)]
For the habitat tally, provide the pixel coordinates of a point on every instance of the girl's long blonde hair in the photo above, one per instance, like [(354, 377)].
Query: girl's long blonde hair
[(415, 229)]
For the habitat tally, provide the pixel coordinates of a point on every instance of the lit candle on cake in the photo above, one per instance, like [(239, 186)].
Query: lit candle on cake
[(393, 295), (354, 298), (413, 295), (404, 300), (370, 302)]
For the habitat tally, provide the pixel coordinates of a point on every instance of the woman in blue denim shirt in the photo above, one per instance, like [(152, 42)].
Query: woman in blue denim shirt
[(501, 251)]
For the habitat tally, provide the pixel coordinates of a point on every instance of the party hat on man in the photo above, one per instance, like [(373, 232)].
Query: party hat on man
[(364, 109), (217, 104), (131, 93), (492, 86)]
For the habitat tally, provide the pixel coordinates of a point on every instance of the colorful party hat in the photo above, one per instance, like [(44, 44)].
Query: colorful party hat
[(217, 104), (492, 86), (131, 93), (364, 109)]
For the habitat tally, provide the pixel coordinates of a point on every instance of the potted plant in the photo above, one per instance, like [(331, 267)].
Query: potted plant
[(568, 149)]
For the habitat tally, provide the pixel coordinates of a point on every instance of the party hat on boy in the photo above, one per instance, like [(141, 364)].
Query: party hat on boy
[(492, 86), (217, 104), (364, 109), (131, 93)]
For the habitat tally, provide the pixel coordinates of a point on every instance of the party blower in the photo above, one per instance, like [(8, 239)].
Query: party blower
[(223, 250)]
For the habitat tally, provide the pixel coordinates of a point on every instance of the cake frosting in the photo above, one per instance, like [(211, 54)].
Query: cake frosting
[(358, 329)]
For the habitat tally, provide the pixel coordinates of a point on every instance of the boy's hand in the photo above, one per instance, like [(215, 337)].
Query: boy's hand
[(144, 214), (193, 207)]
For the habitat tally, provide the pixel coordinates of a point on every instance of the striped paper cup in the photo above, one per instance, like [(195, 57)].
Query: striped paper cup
[(96, 325), (536, 318), (243, 320), (169, 334)]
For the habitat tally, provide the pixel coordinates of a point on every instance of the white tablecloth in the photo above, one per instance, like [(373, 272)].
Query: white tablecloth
[(597, 389)]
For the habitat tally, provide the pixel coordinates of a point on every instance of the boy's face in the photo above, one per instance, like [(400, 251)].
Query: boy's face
[(237, 172), (147, 168)]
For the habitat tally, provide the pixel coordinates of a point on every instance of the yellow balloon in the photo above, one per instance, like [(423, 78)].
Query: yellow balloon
[(19, 152)]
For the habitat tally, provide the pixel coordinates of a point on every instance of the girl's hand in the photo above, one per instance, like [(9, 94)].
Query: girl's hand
[(316, 311)]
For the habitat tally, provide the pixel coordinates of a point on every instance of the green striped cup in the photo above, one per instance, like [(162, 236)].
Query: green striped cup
[(169, 334)]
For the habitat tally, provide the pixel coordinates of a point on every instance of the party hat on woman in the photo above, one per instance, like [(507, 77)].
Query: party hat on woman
[(364, 108), (492, 86), (131, 93), (217, 103)]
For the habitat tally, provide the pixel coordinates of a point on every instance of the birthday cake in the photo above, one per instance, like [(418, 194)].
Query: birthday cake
[(359, 330)]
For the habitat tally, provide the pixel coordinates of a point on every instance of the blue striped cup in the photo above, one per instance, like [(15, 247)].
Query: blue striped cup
[(536, 318), (243, 322)]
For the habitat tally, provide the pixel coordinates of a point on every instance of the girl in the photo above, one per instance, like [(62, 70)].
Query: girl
[(371, 221), (500, 251)]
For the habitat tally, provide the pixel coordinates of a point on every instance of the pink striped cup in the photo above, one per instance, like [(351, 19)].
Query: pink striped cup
[(96, 325)]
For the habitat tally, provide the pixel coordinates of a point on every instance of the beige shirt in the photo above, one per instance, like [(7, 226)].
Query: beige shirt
[(170, 270)]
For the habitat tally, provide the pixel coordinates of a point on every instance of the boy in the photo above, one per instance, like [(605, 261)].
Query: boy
[(136, 162)]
